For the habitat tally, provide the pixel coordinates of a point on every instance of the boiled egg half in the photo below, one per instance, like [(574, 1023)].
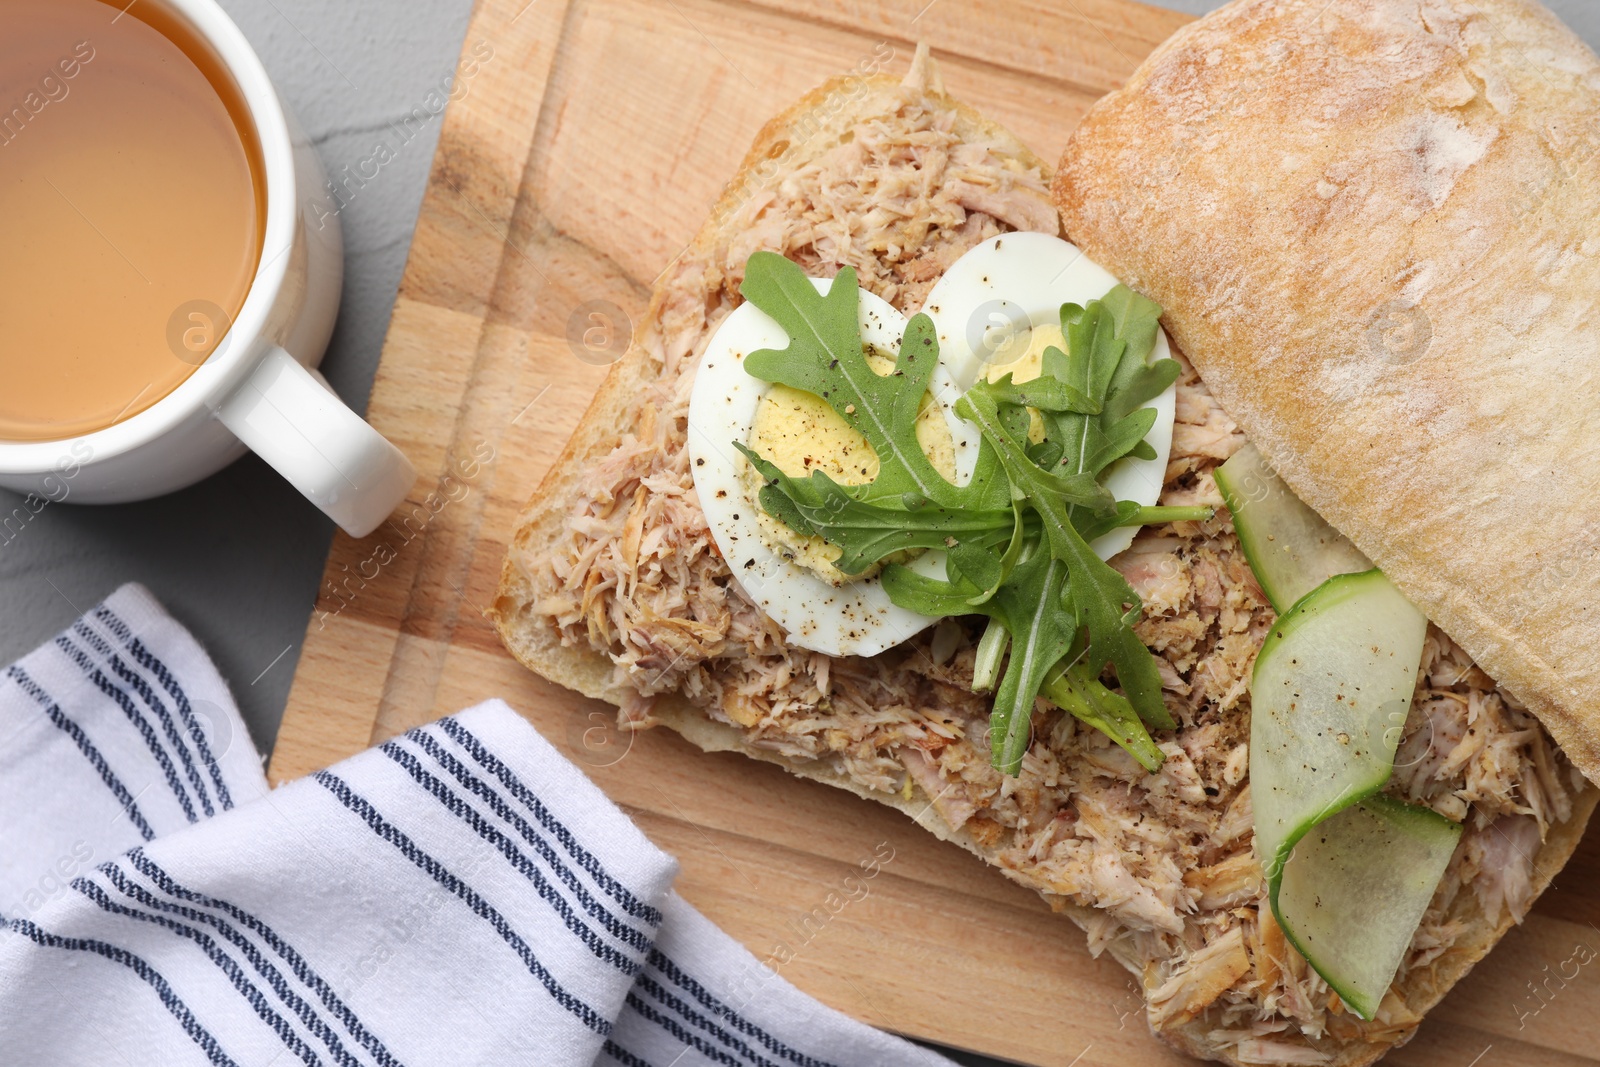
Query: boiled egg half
[(787, 575), (999, 307), (996, 309)]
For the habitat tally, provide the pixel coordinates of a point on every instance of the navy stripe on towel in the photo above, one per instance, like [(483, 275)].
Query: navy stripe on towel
[(674, 974), (490, 762), (150, 662), (388, 832), (131, 680), (274, 978), (114, 624), (700, 1022), (225, 963), (179, 1010), (152, 742), (85, 746), (671, 1026), (286, 952), (548, 893), (622, 1055), (629, 935)]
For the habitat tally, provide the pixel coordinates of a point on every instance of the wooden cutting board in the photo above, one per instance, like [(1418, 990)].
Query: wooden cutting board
[(587, 143)]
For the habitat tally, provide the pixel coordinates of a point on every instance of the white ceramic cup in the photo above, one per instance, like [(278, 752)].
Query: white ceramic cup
[(258, 389)]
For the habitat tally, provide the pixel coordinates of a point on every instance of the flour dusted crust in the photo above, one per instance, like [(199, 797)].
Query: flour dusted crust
[(1372, 225)]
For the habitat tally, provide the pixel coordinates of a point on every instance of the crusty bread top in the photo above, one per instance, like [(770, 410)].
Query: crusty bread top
[(1372, 226)]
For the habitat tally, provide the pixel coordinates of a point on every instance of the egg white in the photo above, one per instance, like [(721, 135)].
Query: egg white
[(855, 619), (1018, 281), (1007, 284)]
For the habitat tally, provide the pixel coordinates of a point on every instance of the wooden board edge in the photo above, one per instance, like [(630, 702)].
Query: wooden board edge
[(294, 754)]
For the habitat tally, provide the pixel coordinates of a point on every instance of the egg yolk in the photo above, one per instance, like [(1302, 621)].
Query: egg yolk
[(798, 432), (1022, 357)]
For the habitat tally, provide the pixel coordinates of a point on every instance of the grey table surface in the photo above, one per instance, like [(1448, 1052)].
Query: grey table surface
[(238, 558)]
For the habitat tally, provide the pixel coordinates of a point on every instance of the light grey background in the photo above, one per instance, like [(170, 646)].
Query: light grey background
[(239, 557)]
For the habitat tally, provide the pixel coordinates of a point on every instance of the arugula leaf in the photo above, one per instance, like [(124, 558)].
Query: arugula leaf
[(1074, 689), (866, 532), (1094, 350), (1017, 535), (1045, 394), (1100, 598), (1136, 319), (1111, 339), (825, 358), (929, 596), (1096, 595), (1028, 480), (1028, 603), (1124, 436), (1147, 383)]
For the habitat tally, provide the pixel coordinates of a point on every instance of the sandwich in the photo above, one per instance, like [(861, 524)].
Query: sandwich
[(1088, 515)]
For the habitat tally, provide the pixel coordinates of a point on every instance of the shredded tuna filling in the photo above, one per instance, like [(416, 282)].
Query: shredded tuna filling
[(1165, 858)]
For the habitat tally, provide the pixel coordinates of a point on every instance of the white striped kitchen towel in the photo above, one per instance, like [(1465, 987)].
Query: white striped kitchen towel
[(459, 895)]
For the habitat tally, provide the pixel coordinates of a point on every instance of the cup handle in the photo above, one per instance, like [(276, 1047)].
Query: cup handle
[(289, 417)]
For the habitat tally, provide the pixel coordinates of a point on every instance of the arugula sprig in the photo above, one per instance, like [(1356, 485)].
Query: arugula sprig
[(826, 357), (1098, 598), (1028, 603), (1017, 534)]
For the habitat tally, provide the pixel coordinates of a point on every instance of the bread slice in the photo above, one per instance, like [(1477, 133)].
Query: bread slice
[(804, 132), (695, 291), (1371, 225), (1349, 214)]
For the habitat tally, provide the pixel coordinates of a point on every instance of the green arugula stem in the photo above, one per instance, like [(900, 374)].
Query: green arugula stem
[(991, 651), (1157, 515), (1076, 691)]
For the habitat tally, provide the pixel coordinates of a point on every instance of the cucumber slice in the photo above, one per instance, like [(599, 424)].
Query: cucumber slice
[(1350, 873), (1291, 548), (1329, 698), (1355, 889)]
